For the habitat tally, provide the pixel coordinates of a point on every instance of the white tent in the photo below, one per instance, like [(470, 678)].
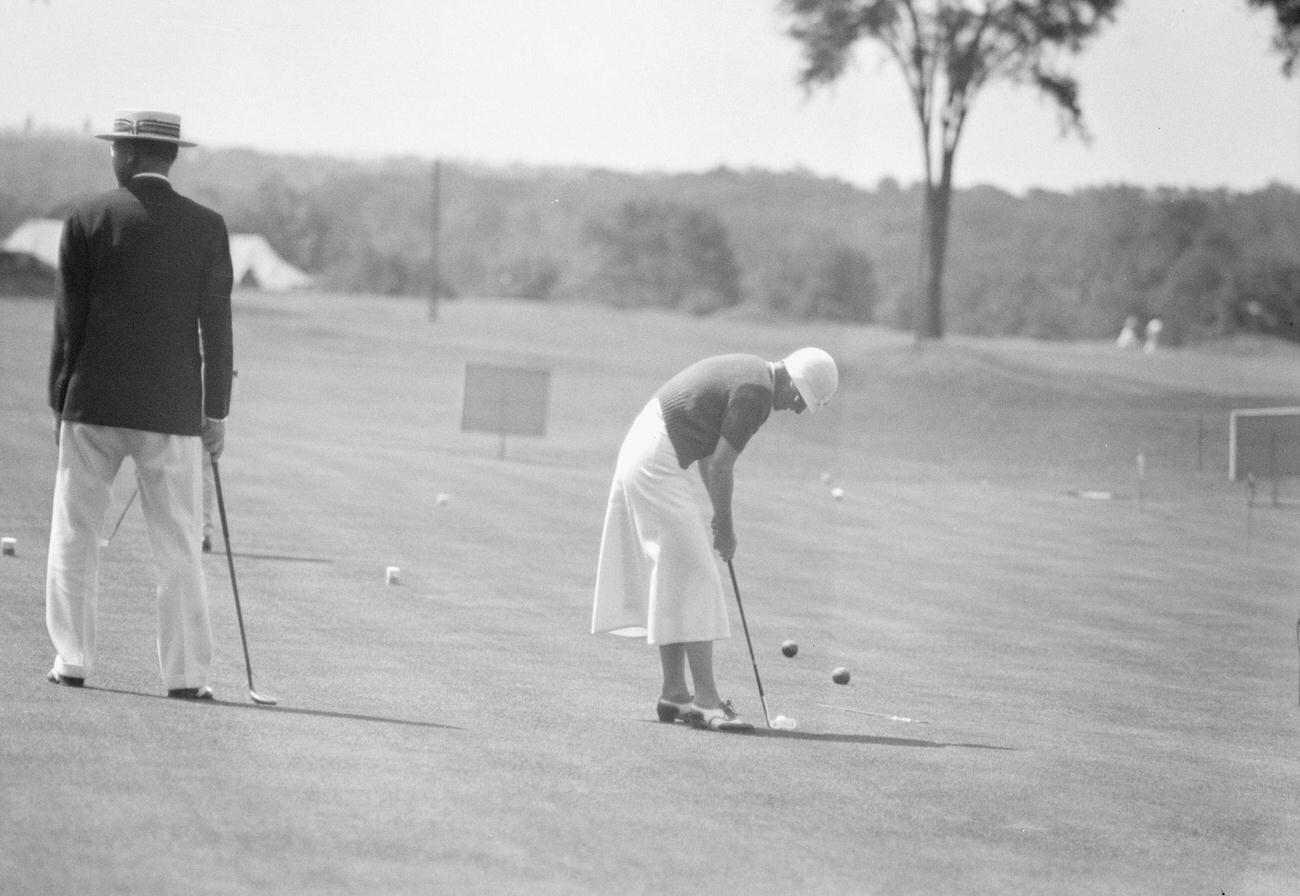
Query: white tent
[(255, 262), (39, 238)]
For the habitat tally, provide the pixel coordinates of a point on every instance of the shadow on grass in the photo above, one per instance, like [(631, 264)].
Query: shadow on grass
[(286, 710), (286, 557), (868, 739), (329, 714), (864, 739)]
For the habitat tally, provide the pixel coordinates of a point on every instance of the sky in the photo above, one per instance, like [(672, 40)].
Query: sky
[(1175, 94)]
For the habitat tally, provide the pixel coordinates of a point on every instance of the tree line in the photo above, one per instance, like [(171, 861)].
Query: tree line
[(1046, 264)]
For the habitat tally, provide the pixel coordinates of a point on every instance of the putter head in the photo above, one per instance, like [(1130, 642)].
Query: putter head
[(258, 698)]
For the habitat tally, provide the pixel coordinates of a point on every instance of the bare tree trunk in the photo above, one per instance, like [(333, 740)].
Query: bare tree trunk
[(938, 204)]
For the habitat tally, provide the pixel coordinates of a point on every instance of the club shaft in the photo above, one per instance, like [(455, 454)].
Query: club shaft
[(122, 516), (230, 560), (762, 698)]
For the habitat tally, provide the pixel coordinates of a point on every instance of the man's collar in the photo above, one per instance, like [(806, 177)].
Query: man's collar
[(161, 177)]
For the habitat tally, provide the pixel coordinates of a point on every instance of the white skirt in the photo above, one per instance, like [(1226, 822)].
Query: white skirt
[(657, 576)]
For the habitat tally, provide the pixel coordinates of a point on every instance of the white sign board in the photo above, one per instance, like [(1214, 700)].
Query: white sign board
[(1264, 443), (505, 400)]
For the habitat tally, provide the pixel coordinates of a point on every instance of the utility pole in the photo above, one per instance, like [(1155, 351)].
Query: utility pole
[(435, 289)]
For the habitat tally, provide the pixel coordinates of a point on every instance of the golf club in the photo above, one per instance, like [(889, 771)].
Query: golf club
[(239, 614), (104, 542), (762, 698)]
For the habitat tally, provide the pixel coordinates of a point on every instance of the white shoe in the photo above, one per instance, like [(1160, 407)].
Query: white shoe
[(720, 718)]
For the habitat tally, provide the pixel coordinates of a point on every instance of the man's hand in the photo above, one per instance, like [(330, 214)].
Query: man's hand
[(214, 437)]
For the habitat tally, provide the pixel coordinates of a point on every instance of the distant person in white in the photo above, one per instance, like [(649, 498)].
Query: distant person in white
[(1154, 326), (1128, 337)]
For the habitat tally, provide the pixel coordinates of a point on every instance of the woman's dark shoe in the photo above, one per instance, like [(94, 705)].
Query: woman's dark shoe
[(671, 712)]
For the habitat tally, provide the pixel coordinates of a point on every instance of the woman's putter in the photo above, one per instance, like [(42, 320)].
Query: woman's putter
[(239, 614), (762, 698)]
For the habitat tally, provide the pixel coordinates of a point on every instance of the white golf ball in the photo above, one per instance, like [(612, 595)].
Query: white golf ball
[(442, 500), (837, 493)]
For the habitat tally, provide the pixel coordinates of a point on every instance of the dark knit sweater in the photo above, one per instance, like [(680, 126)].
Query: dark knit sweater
[(726, 396)]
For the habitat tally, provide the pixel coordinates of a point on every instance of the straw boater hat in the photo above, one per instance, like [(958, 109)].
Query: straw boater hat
[(142, 124)]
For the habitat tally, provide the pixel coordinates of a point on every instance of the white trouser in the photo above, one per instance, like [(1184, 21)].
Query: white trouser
[(169, 472), (209, 493)]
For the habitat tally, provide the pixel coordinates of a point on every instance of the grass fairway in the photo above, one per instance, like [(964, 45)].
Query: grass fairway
[(1103, 693)]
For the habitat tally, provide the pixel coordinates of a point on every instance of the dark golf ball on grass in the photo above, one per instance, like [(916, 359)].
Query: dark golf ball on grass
[(840, 675), (789, 648)]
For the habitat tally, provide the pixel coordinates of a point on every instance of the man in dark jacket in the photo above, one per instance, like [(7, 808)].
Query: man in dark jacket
[(140, 368)]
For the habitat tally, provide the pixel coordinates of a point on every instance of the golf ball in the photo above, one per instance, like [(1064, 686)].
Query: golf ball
[(442, 500), (789, 648), (837, 493), (840, 675)]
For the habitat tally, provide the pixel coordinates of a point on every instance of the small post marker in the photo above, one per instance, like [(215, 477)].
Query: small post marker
[(1141, 477), (1273, 467), (1200, 444), (393, 575), (1250, 502), (9, 546)]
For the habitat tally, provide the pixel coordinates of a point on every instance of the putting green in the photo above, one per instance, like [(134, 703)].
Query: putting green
[(1102, 696)]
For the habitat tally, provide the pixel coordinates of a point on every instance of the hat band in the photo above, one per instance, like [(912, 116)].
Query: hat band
[(147, 127)]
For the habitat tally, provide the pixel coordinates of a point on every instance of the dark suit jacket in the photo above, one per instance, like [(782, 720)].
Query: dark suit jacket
[(142, 334)]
